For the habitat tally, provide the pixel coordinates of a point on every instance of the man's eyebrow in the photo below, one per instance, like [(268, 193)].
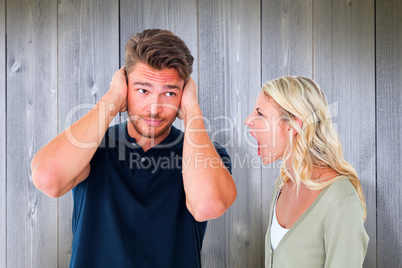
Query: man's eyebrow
[(149, 85), (171, 87), (145, 84)]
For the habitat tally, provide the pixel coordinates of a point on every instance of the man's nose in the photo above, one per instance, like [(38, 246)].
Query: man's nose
[(155, 106)]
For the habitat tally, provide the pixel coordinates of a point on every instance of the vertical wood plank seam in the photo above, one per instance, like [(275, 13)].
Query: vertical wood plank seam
[(198, 68), (91, 10), (5, 127), (80, 54), (375, 130), (57, 124), (261, 25), (119, 26), (32, 220), (350, 47), (198, 74), (198, 48), (262, 245), (312, 41)]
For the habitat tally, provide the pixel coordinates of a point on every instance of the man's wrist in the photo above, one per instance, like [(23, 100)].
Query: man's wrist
[(113, 102), (191, 114)]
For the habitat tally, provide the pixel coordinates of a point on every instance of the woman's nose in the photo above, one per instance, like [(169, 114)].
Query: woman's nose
[(249, 121)]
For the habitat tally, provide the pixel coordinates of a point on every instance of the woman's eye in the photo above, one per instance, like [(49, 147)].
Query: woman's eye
[(258, 112), (143, 91), (170, 94)]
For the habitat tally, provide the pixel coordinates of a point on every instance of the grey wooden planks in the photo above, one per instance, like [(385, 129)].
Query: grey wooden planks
[(344, 67), (3, 127), (389, 134), (229, 49), (287, 38), (88, 50), (31, 122), (235, 44)]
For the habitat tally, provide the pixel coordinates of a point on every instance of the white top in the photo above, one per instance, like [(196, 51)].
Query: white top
[(277, 231)]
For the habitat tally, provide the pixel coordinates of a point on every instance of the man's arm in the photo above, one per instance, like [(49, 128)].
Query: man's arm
[(64, 162), (209, 187)]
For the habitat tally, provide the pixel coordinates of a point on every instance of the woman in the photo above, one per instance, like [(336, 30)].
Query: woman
[(318, 209)]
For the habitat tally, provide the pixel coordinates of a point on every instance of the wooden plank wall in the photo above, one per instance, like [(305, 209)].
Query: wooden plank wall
[(228, 51), (389, 134), (31, 122), (57, 59), (3, 129), (344, 67), (88, 57)]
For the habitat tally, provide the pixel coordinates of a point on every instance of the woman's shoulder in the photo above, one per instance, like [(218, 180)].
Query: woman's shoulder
[(342, 186), (340, 191)]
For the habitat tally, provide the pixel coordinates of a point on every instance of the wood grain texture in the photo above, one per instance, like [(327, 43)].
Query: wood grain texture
[(287, 36), (57, 59), (3, 127), (389, 135), (31, 122), (178, 16), (88, 58), (287, 49), (344, 67), (229, 83)]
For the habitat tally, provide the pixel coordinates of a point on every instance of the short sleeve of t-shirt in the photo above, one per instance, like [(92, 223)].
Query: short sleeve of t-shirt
[(224, 156)]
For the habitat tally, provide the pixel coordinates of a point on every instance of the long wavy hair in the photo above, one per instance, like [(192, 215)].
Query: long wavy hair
[(316, 143)]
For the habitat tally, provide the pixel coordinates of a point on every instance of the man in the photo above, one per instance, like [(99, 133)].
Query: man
[(142, 189)]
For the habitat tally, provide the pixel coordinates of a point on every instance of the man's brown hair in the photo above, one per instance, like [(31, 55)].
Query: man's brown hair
[(159, 49)]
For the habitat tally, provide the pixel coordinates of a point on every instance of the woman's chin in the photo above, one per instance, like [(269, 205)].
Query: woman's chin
[(268, 157), (266, 160)]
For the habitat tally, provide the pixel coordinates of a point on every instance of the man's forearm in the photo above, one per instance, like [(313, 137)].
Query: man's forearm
[(57, 164), (209, 187)]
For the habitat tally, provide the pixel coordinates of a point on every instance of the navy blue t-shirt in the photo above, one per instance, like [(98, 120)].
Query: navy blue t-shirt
[(131, 210)]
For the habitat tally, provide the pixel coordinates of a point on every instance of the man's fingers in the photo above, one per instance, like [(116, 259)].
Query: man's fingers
[(180, 114)]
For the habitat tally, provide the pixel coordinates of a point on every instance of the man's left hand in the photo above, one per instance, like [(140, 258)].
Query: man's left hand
[(189, 101)]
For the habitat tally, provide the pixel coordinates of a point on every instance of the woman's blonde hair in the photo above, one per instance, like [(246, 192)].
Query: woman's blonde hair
[(317, 143)]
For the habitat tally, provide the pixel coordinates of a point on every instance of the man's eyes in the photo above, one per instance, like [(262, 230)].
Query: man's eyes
[(170, 94)]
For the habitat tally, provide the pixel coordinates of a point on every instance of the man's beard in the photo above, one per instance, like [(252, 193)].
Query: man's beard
[(149, 132)]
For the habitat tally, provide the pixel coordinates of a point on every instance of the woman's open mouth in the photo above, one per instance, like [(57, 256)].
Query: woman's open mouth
[(258, 149)]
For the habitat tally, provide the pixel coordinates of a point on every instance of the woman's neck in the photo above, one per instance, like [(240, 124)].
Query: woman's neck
[(318, 173)]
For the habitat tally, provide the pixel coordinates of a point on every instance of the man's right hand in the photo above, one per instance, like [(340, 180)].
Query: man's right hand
[(118, 89)]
